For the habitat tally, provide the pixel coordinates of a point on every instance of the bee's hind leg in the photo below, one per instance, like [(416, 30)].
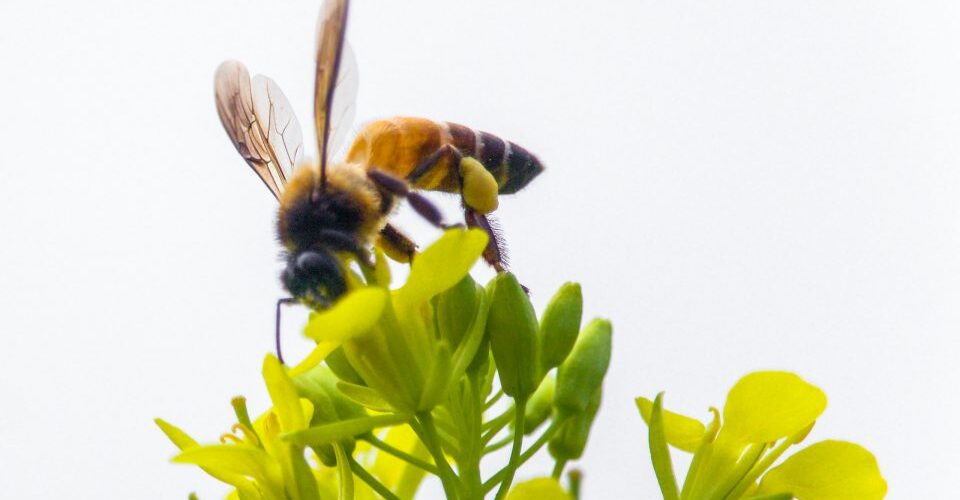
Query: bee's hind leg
[(496, 252), (398, 187)]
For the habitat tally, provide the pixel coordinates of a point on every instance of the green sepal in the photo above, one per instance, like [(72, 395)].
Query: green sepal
[(512, 328), (660, 452), (364, 396), (560, 325), (582, 373), (339, 364), (339, 431), (306, 483)]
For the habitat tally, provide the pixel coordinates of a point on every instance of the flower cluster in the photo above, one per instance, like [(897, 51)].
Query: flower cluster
[(435, 376), (427, 378)]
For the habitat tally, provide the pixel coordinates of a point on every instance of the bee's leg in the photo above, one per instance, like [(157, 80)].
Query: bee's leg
[(398, 187), (427, 164), (495, 254), (396, 245), (281, 302)]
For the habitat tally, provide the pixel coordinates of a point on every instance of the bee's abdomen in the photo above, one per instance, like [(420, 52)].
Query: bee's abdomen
[(511, 165)]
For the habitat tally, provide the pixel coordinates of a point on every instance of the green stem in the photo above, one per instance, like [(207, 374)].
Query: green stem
[(493, 400), (575, 477), (500, 420), (514, 464), (346, 475), (558, 468), (427, 432), (490, 448), (371, 481), (532, 450), (402, 455)]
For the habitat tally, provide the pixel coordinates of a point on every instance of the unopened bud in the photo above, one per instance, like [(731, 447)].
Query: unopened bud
[(512, 329), (539, 406), (569, 442), (560, 324), (456, 310), (582, 373)]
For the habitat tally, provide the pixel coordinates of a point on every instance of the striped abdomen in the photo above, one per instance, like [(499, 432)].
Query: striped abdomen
[(399, 145)]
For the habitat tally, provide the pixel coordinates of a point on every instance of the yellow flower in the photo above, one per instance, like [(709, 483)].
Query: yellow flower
[(257, 462), (541, 488), (394, 340), (765, 414)]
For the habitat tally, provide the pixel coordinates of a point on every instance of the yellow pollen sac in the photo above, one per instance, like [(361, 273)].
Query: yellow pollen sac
[(224, 438), (479, 187), (248, 435)]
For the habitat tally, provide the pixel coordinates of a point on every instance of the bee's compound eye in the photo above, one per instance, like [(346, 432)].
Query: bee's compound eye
[(313, 263)]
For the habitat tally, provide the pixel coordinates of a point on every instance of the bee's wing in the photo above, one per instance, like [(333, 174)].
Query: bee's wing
[(277, 116), (258, 119), (343, 107), (331, 27)]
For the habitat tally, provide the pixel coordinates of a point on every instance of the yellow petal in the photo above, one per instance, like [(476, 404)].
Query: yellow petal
[(766, 406), (183, 441), (442, 264), (286, 401), (682, 432), (241, 459), (828, 470), (353, 315), (318, 354), (542, 488)]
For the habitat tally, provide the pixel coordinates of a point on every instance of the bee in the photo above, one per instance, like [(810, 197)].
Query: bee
[(329, 209)]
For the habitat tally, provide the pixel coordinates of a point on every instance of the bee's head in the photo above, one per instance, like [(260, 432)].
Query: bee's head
[(315, 276)]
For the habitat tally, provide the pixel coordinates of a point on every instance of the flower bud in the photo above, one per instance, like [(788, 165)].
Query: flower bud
[(560, 324), (571, 439), (456, 310), (512, 328), (582, 373)]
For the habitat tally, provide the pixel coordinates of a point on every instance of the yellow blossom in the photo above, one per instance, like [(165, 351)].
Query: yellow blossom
[(765, 414)]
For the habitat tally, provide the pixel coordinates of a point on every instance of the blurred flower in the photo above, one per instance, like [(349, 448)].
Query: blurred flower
[(542, 488), (765, 414)]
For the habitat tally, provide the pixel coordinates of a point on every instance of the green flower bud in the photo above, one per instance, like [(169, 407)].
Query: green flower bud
[(560, 324), (571, 439), (512, 328), (456, 310), (583, 371), (540, 405)]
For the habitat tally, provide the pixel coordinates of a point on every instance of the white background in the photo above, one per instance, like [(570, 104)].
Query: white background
[(738, 185)]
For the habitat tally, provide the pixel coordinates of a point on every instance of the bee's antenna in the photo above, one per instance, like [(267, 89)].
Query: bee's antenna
[(281, 302)]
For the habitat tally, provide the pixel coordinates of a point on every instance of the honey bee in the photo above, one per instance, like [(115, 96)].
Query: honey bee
[(329, 209)]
